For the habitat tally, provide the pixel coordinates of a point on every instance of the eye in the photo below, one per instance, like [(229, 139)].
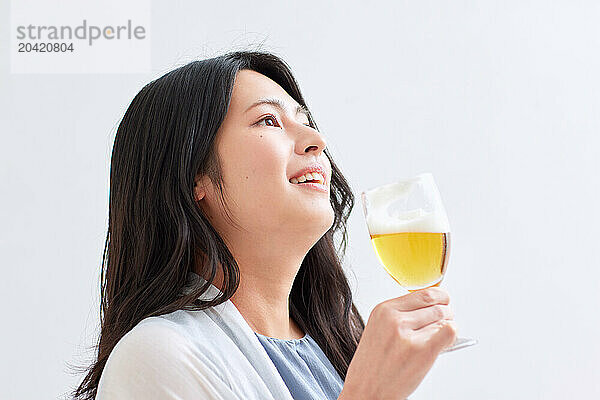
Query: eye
[(275, 123), (268, 118)]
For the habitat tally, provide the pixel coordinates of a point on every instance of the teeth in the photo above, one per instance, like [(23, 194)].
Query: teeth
[(318, 177), (314, 176)]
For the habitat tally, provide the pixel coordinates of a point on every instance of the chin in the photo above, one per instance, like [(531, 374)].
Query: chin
[(317, 222)]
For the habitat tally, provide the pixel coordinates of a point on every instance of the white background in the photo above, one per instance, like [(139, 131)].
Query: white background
[(500, 100)]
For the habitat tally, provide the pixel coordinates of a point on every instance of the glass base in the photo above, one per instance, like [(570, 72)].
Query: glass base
[(460, 343)]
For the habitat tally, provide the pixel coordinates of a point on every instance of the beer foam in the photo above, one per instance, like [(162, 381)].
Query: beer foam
[(429, 216)]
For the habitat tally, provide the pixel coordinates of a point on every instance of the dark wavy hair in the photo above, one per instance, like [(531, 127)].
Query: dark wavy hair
[(157, 232)]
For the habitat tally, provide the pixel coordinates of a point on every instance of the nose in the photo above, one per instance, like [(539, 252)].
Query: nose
[(310, 139)]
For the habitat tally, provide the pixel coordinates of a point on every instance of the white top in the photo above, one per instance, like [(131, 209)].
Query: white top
[(211, 354)]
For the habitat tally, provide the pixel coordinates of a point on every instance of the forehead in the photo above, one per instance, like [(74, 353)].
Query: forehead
[(249, 86)]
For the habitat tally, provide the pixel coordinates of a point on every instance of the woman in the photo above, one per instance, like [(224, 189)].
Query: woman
[(220, 276)]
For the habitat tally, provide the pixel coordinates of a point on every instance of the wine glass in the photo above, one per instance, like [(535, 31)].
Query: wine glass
[(410, 233)]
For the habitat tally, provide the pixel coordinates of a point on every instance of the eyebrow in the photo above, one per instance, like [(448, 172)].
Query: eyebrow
[(300, 109)]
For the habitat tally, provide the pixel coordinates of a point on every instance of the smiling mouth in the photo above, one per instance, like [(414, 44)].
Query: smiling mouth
[(311, 181), (314, 177)]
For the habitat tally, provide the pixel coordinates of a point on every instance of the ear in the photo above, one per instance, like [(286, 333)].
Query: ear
[(200, 188)]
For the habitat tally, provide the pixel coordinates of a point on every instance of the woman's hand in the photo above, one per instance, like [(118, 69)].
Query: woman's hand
[(399, 345)]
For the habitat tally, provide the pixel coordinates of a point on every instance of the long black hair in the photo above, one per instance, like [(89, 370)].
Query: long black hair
[(157, 232)]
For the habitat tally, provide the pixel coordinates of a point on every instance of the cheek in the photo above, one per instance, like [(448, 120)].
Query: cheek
[(256, 167)]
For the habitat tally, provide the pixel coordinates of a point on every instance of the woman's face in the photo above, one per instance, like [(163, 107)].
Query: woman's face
[(261, 147)]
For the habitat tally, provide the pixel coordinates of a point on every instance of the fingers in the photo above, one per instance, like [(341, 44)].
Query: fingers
[(420, 299), (439, 335), (428, 315)]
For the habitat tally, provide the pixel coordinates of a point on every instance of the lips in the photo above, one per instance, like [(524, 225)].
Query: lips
[(314, 186), (312, 168)]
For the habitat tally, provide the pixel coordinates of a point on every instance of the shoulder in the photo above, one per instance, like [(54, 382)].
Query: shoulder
[(156, 359), (146, 352), (152, 339)]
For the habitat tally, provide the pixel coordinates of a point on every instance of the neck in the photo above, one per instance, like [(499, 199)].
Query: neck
[(265, 307), (262, 297)]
